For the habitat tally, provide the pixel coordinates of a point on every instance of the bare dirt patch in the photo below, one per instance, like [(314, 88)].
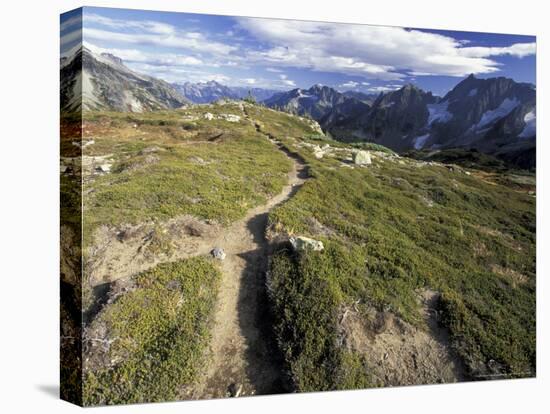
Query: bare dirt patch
[(399, 353), (119, 252), (516, 278)]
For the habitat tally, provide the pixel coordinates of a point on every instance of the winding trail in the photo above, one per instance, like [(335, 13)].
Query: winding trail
[(243, 358)]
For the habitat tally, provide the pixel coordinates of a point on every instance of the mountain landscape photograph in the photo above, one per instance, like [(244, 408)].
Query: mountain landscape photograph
[(255, 206)]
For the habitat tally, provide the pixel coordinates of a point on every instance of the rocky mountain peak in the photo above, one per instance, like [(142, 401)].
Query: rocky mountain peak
[(112, 85), (115, 59)]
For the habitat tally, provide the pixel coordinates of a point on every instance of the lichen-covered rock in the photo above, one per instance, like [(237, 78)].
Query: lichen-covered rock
[(318, 152), (230, 117), (301, 243), (362, 158)]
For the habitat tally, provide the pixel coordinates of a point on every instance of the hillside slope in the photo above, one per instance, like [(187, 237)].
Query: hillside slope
[(92, 81), (403, 238), (427, 273)]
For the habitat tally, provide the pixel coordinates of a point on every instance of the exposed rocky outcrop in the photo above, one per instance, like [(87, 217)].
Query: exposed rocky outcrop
[(101, 81)]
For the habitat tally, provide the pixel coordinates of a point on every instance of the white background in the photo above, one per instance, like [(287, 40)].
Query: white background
[(29, 71)]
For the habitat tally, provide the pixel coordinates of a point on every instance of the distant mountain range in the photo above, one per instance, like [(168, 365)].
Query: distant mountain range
[(495, 116), (92, 80), (206, 92), (101, 81)]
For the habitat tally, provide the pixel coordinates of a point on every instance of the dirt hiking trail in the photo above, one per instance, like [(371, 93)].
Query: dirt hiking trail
[(243, 360)]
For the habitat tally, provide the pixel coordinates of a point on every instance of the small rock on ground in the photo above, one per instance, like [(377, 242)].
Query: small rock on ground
[(235, 390), (362, 158), (218, 253)]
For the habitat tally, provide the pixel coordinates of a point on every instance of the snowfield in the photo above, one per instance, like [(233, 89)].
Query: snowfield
[(530, 128), (507, 106), (420, 141), (438, 112)]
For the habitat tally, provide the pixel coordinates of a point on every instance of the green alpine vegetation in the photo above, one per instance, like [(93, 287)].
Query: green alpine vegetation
[(157, 332), (456, 224), (170, 163), (390, 230)]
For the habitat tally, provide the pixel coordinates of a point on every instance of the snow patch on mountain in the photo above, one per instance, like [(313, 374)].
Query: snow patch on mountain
[(473, 92), (420, 141), (530, 128), (506, 106), (305, 94), (438, 112)]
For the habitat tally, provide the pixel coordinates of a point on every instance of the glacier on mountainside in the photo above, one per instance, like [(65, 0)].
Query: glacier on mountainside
[(530, 128), (507, 106), (438, 112)]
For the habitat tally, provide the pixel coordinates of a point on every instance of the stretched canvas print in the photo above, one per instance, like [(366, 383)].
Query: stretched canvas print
[(254, 206)]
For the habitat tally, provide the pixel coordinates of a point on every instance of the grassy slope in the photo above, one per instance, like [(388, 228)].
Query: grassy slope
[(476, 245), (382, 243), (161, 329), (211, 169)]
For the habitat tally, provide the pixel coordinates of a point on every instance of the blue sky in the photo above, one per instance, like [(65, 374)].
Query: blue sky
[(285, 54)]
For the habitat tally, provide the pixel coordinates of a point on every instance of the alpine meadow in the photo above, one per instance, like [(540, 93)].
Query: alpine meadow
[(259, 206)]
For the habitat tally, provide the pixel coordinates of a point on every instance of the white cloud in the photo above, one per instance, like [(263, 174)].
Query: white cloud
[(349, 84), (218, 77), (519, 50), (151, 33), (67, 38), (191, 41), (372, 51), (139, 26), (154, 59), (389, 54), (179, 74), (383, 89)]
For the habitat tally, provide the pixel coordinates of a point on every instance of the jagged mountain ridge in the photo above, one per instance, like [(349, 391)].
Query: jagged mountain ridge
[(360, 96), (91, 81), (494, 115), (317, 101), (394, 116), (487, 113), (211, 91)]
